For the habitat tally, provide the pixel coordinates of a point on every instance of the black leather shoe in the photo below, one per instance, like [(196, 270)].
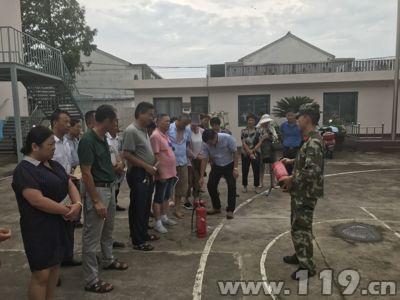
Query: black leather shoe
[(291, 260), (119, 208), (299, 276), (117, 244), (71, 263)]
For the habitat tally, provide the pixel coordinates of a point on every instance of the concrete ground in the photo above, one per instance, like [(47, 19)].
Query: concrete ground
[(359, 187)]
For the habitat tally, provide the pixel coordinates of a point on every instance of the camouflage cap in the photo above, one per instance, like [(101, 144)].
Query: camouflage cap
[(310, 109)]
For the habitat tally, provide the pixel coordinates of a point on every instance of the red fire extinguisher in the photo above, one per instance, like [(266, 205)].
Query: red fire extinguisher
[(279, 171), (201, 223)]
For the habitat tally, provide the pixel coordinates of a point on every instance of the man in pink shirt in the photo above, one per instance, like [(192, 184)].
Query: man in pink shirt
[(166, 173)]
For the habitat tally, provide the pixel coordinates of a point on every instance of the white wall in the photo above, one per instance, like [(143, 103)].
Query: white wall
[(289, 50), (10, 15), (374, 100), (100, 78), (125, 109)]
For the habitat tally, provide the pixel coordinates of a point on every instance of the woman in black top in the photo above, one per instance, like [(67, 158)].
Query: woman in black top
[(250, 137), (40, 185)]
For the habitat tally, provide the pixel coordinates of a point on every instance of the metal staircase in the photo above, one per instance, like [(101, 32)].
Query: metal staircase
[(45, 76)]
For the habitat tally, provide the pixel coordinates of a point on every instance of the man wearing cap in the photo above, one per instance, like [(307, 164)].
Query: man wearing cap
[(306, 186)]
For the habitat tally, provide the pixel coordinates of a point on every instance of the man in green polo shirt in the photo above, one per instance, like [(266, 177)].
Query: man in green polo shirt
[(99, 207)]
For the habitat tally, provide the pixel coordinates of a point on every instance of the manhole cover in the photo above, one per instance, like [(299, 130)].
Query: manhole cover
[(358, 232)]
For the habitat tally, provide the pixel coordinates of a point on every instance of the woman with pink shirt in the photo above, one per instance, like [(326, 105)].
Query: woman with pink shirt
[(165, 177)]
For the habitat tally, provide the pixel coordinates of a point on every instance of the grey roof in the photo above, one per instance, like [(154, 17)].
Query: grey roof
[(288, 35), (125, 62)]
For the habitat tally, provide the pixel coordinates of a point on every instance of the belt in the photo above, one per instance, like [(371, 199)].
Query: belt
[(104, 184)]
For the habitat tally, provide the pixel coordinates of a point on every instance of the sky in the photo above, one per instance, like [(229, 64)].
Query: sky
[(196, 33)]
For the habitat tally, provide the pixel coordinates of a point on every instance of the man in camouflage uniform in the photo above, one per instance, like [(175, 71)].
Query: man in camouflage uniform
[(305, 186)]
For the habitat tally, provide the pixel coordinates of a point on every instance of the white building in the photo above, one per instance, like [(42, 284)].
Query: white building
[(100, 79), (358, 91), (10, 15)]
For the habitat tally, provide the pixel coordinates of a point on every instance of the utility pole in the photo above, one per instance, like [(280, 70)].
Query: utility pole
[(396, 76)]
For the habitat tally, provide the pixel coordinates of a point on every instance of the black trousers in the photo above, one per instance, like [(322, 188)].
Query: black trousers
[(142, 186), (255, 165), (69, 241), (212, 185), (117, 187), (290, 152), (70, 234)]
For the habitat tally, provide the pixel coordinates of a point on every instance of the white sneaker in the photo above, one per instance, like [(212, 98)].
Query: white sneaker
[(160, 228), (169, 222)]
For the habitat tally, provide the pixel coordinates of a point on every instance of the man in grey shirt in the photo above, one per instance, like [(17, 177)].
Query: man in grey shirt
[(222, 149), (141, 169)]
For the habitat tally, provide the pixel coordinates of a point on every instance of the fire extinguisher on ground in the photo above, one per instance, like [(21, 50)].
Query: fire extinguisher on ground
[(201, 224)]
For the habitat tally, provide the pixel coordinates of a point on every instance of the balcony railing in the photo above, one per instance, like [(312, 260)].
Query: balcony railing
[(358, 131), (21, 48), (235, 69)]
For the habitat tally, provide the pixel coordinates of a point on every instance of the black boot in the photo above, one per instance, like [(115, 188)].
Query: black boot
[(295, 275), (291, 260)]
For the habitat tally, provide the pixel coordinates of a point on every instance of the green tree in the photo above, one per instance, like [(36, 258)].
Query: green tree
[(290, 104), (61, 24)]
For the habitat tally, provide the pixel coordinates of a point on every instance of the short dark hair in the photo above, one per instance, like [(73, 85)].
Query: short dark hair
[(56, 115), (36, 135), (74, 121), (162, 115), (215, 121), (104, 112), (251, 116), (203, 116), (90, 114), (208, 135), (184, 117), (142, 108), (291, 110)]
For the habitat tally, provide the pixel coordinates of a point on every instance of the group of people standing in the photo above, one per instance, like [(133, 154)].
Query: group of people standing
[(261, 145), (164, 161)]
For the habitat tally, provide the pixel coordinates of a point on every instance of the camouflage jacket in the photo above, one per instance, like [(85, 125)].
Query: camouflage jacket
[(308, 172)]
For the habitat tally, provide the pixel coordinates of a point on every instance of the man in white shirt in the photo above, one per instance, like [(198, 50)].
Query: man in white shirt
[(72, 138), (115, 144), (60, 124)]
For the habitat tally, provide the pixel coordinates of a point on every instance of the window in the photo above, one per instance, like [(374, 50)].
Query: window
[(170, 106), (199, 104), (256, 104), (341, 106)]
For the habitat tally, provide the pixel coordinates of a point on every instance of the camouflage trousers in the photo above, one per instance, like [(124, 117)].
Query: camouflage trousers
[(302, 212)]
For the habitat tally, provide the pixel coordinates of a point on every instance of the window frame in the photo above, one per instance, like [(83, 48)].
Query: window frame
[(195, 98), (169, 99), (325, 118), (241, 122)]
